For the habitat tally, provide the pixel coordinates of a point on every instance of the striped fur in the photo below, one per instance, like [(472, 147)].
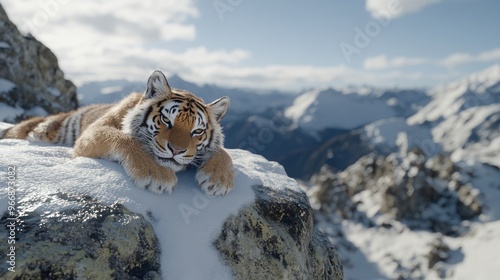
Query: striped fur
[(153, 135)]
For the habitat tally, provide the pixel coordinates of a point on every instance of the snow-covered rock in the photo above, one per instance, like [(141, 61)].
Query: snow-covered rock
[(265, 220), (408, 216), (423, 193), (30, 76)]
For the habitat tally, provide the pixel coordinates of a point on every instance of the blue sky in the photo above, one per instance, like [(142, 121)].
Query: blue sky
[(284, 44)]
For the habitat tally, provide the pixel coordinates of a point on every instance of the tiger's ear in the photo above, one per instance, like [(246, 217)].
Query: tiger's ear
[(219, 107), (157, 85)]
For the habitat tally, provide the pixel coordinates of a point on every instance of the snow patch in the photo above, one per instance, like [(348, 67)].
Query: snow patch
[(8, 113), (4, 45), (54, 91), (6, 85), (384, 134)]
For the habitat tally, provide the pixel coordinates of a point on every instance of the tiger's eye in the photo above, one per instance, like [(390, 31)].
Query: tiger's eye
[(198, 131), (166, 121)]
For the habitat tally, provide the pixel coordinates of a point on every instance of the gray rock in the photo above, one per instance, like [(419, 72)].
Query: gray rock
[(424, 193), (438, 252), (30, 75), (91, 241), (274, 238)]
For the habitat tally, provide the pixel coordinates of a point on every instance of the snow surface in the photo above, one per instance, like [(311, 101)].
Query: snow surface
[(321, 109), (451, 98), (54, 91), (6, 85), (464, 116), (455, 131), (185, 239), (384, 134), (4, 45), (9, 113)]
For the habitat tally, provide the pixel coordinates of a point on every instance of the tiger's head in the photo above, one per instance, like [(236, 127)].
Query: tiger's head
[(176, 127)]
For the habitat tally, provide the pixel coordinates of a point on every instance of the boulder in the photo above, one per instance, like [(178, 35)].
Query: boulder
[(30, 78), (90, 240), (274, 238), (84, 218)]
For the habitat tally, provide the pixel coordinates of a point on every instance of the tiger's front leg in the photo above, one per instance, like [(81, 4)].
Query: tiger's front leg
[(111, 143), (216, 175)]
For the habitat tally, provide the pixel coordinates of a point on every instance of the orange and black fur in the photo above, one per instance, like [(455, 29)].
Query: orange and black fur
[(153, 135)]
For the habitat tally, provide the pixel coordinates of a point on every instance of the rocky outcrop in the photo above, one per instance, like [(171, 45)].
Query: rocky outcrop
[(421, 192), (30, 77), (274, 238), (83, 218), (87, 241)]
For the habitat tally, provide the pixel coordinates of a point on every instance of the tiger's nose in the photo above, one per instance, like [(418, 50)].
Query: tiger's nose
[(175, 149)]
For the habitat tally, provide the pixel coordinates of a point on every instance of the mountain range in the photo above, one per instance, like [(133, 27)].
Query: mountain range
[(336, 127)]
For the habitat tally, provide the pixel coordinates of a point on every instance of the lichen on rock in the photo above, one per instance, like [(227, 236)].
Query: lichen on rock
[(89, 240), (274, 238)]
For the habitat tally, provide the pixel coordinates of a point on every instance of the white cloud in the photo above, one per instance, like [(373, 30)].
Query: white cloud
[(396, 8), (383, 62), (463, 58), (146, 19), (101, 40)]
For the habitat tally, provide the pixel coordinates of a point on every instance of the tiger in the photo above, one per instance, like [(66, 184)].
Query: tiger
[(152, 135)]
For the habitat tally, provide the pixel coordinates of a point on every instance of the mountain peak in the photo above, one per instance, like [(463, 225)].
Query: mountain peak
[(175, 78), (489, 75)]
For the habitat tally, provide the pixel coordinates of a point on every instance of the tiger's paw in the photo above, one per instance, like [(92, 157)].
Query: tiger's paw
[(216, 181), (151, 176)]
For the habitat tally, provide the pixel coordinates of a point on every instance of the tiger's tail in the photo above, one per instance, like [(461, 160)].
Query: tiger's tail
[(45, 129)]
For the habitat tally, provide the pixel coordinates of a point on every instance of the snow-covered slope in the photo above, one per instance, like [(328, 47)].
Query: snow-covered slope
[(387, 134), (448, 99), (186, 222), (464, 116), (351, 108)]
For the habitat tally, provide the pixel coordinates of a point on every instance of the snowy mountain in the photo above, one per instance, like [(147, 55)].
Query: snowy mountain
[(401, 213), (452, 98), (351, 108), (464, 116)]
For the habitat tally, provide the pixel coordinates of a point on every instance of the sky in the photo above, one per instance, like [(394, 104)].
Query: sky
[(290, 45)]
